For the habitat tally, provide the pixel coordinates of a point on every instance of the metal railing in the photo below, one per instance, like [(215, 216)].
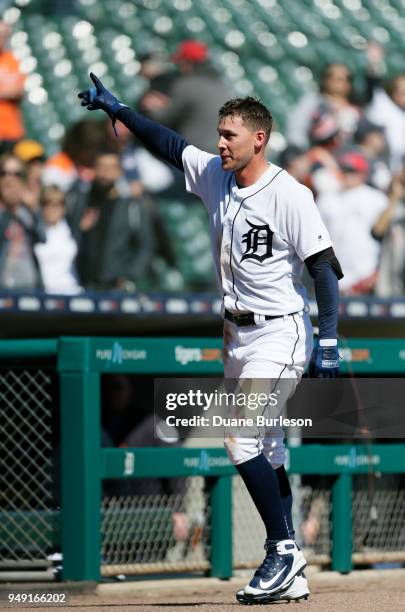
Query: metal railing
[(91, 526), (28, 519)]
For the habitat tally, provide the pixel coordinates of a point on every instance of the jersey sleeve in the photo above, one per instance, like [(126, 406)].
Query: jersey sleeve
[(305, 230), (199, 167)]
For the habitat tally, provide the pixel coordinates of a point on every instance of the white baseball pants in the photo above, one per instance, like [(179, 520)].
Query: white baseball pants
[(270, 351)]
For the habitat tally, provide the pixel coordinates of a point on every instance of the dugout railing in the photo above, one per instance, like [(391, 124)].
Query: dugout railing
[(85, 464)]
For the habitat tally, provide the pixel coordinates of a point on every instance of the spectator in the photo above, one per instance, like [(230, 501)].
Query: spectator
[(146, 173), (296, 162), (370, 139), (11, 93), (32, 154), (334, 97), (157, 71), (191, 107), (350, 216), (141, 169), (20, 229), (390, 228), (56, 256), (113, 228), (387, 108), (325, 174), (122, 140), (75, 161), (155, 174)]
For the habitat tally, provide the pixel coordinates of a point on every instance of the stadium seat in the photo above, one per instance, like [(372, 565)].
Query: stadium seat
[(277, 47), (270, 48), (187, 223)]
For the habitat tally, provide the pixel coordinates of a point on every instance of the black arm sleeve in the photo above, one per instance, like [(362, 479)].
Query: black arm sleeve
[(157, 138), (325, 270)]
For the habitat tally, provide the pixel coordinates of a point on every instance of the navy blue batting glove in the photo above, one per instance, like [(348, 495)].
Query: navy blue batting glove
[(98, 97), (324, 361)]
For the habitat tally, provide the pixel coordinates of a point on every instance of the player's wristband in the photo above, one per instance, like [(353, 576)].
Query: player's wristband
[(328, 342)]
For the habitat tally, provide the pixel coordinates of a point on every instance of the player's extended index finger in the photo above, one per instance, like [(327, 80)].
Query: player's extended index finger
[(97, 82)]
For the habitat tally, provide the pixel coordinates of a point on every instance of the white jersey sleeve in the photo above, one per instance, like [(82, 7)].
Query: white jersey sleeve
[(199, 168), (305, 229)]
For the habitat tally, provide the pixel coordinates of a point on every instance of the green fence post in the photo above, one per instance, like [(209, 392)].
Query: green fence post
[(80, 461), (342, 523), (221, 525)]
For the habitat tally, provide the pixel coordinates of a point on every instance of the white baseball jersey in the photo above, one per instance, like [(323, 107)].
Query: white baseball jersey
[(260, 234)]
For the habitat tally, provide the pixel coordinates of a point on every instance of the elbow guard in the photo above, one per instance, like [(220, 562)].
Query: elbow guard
[(328, 256)]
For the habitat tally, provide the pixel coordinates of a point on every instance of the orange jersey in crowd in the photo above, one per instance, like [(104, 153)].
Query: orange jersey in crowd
[(11, 123)]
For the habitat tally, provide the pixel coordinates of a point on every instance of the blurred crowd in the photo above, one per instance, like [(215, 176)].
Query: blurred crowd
[(348, 147), (86, 218)]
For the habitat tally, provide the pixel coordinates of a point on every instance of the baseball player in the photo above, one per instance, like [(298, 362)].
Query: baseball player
[(264, 226)]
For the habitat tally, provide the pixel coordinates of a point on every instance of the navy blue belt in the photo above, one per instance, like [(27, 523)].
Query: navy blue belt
[(248, 318)]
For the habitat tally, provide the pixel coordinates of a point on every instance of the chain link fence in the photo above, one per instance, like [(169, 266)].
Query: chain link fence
[(312, 517), (378, 508), (379, 518), (378, 511), (170, 533), (156, 532), (28, 520), (163, 525)]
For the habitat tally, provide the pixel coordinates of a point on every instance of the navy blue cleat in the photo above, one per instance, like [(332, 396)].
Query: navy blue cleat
[(283, 562), (298, 589)]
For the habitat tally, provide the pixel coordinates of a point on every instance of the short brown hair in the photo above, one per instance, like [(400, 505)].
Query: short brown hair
[(251, 110)]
